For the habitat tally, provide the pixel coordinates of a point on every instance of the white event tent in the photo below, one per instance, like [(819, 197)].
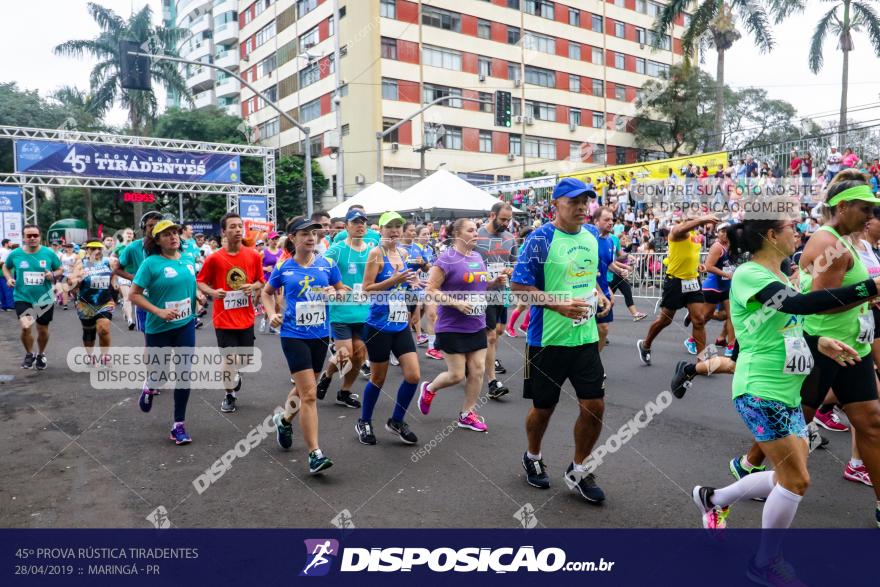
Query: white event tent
[(444, 194), (376, 199)]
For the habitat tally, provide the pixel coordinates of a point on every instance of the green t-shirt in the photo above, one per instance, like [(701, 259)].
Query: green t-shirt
[(168, 283), (190, 248), (843, 326), (351, 265), (371, 236), (761, 333), (132, 256), (28, 269), (555, 261), (616, 251)]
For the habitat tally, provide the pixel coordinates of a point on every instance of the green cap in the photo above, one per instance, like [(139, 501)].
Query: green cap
[(389, 217), (859, 192)]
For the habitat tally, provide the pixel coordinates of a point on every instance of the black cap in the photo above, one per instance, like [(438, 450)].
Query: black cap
[(302, 224)]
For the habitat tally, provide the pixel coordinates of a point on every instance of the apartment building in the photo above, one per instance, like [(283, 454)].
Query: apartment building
[(574, 68), (213, 38)]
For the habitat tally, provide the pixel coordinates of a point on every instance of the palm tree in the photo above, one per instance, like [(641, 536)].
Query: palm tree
[(714, 24), (856, 17), (106, 76)]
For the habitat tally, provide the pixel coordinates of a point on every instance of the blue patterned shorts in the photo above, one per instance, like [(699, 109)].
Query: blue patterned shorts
[(770, 420)]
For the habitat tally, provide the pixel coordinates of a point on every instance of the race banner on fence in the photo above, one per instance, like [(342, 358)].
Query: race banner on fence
[(11, 218), (105, 162)]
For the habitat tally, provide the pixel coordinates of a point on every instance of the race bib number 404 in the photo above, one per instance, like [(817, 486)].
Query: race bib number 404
[(798, 358)]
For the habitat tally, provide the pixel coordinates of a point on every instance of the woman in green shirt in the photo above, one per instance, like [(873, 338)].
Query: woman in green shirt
[(767, 314)]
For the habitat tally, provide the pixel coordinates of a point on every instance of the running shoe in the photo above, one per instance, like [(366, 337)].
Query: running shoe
[(318, 462), (365, 371), (283, 431), (199, 323), (131, 325), (426, 396), (40, 363), (536, 472), (857, 474), (777, 573), (509, 331), (146, 400), (402, 430), (687, 319), (739, 471), (347, 399), (28, 362), (203, 312), (434, 354), (264, 325), (499, 368), (728, 350), (472, 421), (830, 421), (422, 340), (394, 360), (816, 440), (497, 389), (324, 384), (639, 316), (228, 405), (644, 354), (691, 346), (237, 382), (179, 435), (714, 517), (106, 361), (364, 429), (584, 484), (681, 381), (523, 328)]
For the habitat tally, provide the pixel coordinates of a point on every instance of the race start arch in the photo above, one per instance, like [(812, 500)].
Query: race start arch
[(70, 158)]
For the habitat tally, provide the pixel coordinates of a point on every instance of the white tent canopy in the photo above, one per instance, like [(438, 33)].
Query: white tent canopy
[(445, 194), (375, 199)]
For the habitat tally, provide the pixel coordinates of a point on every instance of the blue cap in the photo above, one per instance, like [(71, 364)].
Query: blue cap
[(355, 214), (572, 188)]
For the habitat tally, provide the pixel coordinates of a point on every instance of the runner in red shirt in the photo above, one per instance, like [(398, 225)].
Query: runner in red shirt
[(233, 276)]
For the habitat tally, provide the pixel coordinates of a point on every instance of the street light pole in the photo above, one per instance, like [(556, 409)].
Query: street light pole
[(310, 204), (381, 135)]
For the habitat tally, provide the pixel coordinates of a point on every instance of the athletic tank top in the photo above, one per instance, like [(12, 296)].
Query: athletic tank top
[(94, 290), (683, 257), (869, 258), (843, 326), (715, 282), (394, 301), (270, 258)]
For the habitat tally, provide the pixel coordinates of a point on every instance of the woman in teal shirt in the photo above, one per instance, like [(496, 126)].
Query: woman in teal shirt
[(165, 287)]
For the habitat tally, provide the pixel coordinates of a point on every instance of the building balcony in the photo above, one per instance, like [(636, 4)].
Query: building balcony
[(227, 87), (201, 80), (200, 25), (187, 7), (226, 32), (203, 99), (221, 6), (228, 59), (203, 49)]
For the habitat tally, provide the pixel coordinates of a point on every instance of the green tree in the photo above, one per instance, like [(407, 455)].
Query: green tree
[(106, 76), (842, 21), (289, 186), (539, 173), (24, 108), (714, 24)]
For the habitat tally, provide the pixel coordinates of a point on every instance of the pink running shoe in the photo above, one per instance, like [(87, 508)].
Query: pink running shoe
[(472, 422), (422, 339), (434, 354), (857, 474), (524, 327), (830, 421), (510, 332), (426, 396)]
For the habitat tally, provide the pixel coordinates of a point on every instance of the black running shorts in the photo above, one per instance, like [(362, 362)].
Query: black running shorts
[(672, 297), (547, 368), (857, 383)]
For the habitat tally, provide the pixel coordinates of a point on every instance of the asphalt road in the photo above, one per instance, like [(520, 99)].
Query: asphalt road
[(75, 456)]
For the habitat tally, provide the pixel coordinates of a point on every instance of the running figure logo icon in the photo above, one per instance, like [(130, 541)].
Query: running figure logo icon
[(319, 556)]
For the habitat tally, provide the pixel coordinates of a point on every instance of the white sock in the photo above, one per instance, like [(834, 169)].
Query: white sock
[(536, 457), (318, 453), (744, 461), (579, 467), (431, 339), (779, 512), (754, 485), (855, 463)]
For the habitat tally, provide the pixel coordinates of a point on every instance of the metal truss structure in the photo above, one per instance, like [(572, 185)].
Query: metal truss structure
[(31, 181)]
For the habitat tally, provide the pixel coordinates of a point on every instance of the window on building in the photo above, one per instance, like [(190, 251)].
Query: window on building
[(513, 4), (308, 40), (516, 144), (393, 136), (599, 154), (597, 57), (619, 61), (309, 75), (389, 89), (640, 65), (389, 48), (574, 51), (640, 35), (538, 147), (541, 110), (484, 29), (388, 8), (598, 120), (642, 6), (620, 154), (654, 9), (484, 66), (486, 103), (485, 141), (270, 128), (687, 20), (574, 151), (657, 69), (432, 92), (346, 130), (598, 87), (437, 57), (574, 117), (597, 25), (310, 110), (513, 35), (267, 65), (513, 71), (540, 76), (574, 83), (665, 41), (619, 30), (441, 19), (620, 93), (303, 7), (538, 42), (265, 33), (443, 137), (574, 17), (540, 8), (271, 93)]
